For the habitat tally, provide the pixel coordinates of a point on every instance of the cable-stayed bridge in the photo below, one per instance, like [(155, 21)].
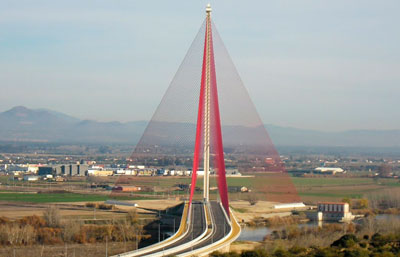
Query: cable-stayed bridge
[(192, 113), (204, 228)]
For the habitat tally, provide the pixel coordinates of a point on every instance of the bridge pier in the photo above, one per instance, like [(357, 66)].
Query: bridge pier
[(225, 249)]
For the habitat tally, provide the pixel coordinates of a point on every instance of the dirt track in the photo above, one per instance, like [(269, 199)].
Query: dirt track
[(16, 210)]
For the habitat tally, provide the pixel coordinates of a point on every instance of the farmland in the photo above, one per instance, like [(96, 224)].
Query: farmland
[(57, 198), (310, 189)]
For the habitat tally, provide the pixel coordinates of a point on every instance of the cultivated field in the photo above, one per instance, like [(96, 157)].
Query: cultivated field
[(23, 199)]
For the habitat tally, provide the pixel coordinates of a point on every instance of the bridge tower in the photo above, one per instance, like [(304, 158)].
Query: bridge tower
[(206, 150), (208, 130)]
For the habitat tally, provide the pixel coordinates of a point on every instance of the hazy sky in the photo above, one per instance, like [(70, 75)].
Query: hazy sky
[(328, 65)]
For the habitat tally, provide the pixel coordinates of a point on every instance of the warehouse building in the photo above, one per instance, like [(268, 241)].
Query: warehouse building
[(332, 211), (328, 170), (45, 170)]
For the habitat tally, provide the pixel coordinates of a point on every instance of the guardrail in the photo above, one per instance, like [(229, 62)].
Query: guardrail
[(184, 228), (181, 232), (186, 245), (225, 241)]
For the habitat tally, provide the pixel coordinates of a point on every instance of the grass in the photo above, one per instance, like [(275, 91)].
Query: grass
[(314, 188), (4, 179), (57, 198), (171, 181), (332, 194), (331, 181), (388, 182), (240, 210), (309, 188)]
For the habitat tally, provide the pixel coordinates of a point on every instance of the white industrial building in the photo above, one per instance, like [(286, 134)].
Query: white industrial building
[(289, 206), (31, 178), (329, 170), (332, 211)]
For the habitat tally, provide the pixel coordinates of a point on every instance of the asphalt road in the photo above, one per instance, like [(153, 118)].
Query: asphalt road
[(196, 229), (221, 228)]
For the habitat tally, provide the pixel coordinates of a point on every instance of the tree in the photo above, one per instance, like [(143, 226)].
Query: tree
[(52, 216), (104, 149), (132, 217), (252, 199), (378, 240), (385, 170), (347, 200), (362, 203), (346, 241)]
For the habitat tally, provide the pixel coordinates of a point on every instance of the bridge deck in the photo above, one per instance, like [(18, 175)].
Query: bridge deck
[(197, 227), (221, 229), (199, 237)]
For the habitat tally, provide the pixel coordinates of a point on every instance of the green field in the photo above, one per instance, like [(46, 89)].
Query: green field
[(331, 181), (57, 198), (308, 188), (338, 195), (336, 188)]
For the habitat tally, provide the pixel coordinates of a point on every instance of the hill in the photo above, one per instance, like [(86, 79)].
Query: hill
[(41, 125)]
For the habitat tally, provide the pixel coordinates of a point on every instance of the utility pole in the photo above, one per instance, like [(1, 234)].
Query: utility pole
[(224, 228), (159, 232), (137, 240), (106, 246)]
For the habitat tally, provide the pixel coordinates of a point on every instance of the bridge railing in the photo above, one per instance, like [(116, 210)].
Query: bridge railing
[(225, 241), (186, 245), (181, 232)]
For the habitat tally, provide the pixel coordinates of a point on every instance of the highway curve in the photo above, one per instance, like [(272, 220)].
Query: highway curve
[(197, 227), (221, 228)]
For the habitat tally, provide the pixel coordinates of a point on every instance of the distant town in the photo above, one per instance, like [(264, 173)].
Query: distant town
[(111, 161)]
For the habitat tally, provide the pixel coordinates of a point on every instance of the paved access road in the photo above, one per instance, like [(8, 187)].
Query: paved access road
[(198, 226), (221, 228)]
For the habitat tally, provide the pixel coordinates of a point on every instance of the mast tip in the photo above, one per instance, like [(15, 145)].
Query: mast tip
[(208, 8)]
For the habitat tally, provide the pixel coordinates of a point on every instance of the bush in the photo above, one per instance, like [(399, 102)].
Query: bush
[(4, 220), (14, 234), (346, 241), (377, 240), (252, 199), (104, 206), (361, 204), (326, 252), (91, 205), (363, 245), (132, 217), (254, 253), (356, 253), (219, 254), (71, 230), (50, 236), (297, 249), (34, 221), (281, 253)]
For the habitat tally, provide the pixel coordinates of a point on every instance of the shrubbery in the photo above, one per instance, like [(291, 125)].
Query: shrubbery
[(100, 206), (348, 245), (50, 230)]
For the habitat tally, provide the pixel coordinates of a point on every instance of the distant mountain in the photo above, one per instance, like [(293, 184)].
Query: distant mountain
[(350, 138), (41, 125)]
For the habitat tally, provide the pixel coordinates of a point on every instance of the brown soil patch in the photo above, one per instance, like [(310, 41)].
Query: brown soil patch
[(240, 246), (245, 212)]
